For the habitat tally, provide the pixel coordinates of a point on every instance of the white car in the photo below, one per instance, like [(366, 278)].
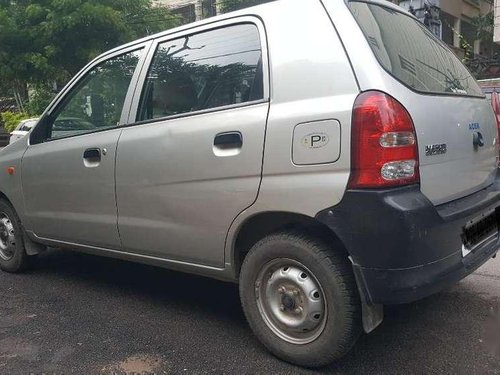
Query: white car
[(22, 129)]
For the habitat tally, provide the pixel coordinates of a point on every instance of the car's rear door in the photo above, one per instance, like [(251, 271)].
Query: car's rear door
[(68, 172), (192, 161)]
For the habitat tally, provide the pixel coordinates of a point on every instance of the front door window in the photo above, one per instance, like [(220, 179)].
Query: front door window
[(96, 102)]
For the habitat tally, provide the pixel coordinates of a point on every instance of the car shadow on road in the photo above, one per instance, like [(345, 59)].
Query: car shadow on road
[(144, 281), (442, 333)]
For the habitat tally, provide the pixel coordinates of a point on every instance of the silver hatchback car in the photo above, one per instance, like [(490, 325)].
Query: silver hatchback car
[(331, 156)]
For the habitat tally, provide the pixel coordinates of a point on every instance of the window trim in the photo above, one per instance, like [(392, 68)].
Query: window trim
[(256, 21), (200, 112), (36, 136)]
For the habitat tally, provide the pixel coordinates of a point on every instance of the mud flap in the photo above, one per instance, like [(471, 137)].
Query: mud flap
[(372, 314), (32, 248)]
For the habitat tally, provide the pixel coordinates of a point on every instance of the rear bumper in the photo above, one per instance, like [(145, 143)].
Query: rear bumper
[(402, 247)]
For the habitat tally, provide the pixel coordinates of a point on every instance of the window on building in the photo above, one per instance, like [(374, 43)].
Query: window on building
[(468, 31), (186, 13), (448, 33), (212, 69), (208, 8), (232, 5)]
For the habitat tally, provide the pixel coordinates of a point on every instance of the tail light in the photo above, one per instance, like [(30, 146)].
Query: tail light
[(384, 144)]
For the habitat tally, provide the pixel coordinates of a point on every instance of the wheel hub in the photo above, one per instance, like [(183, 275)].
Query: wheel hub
[(7, 237), (291, 301), (288, 302)]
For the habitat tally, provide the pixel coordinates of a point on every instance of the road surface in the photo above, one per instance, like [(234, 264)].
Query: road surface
[(76, 313)]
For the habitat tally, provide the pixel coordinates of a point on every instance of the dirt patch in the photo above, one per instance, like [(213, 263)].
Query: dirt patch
[(492, 332), (137, 364), (14, 348)]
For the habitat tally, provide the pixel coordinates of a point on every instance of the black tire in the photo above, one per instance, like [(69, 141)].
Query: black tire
[(334, 273), (20, 260)]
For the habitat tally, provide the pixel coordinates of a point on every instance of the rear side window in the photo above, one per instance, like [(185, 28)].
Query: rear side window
[(410, 53), (212, 69)]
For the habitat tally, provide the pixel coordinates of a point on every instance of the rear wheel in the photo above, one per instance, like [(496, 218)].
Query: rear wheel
[(300, 298), (13, 256)]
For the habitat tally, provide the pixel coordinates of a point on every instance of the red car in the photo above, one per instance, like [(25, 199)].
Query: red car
[(491, 89)]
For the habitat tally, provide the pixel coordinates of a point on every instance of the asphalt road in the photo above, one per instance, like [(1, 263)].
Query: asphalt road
[(77, 313)]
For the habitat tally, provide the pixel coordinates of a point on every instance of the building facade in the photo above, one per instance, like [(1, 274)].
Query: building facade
[(190, 10), (195, 10), (497, 22), (454, 22)]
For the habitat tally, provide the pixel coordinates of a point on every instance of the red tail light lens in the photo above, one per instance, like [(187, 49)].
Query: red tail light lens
[(384, 144)]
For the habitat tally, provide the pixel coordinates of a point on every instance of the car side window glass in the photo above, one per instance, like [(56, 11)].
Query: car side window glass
[(202, 71), (96, 102)]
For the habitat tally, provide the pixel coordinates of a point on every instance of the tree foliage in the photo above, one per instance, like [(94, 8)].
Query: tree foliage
[(484, 24), (43, 41), (11, 119)]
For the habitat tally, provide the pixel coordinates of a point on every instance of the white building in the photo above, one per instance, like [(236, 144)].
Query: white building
[(190, 10), (195, 10)]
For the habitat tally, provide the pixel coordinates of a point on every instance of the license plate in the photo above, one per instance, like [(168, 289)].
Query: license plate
[(480, 230)]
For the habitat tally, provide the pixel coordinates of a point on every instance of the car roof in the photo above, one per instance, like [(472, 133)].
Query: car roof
[(29, 119), (248, 11)]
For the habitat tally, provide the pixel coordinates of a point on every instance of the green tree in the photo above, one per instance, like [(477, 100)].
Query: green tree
[(46, 41), (484, 24)]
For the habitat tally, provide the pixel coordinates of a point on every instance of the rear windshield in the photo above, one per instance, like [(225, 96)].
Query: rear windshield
[(411, 54)]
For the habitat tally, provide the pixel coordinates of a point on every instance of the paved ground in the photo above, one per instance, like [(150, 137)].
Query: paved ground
[(76, 313)]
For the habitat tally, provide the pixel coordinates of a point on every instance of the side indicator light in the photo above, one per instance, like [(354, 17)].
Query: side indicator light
[(11, 170)]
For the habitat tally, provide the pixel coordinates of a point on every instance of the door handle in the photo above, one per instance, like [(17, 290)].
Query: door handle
[(228, 140), (228, 143), (92, 157)]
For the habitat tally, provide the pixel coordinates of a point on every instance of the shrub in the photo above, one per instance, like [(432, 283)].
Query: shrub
[(40, 98), (12, 119)]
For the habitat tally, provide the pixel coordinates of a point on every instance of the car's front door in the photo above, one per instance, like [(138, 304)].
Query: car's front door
[(193, 160), (68, 171)]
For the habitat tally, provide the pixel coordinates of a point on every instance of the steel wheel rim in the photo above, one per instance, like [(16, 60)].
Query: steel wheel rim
[(291, 301), (7, 237)]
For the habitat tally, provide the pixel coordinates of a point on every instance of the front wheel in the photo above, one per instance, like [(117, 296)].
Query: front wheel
[(13, 256), (300, 298)]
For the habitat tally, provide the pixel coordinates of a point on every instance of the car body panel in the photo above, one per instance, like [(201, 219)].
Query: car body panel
[(179, 198), (11, 184), (319, 87), (66, 200)]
